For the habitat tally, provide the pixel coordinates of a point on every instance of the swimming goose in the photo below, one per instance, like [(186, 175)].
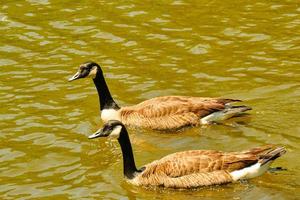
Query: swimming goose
[(194, 168), (159, 113)]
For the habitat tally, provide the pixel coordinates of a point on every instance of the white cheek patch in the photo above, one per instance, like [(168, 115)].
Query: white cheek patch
[(93, 72), (116, 132)]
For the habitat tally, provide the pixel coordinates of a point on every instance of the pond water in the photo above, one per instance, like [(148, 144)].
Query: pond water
[(244, 49)]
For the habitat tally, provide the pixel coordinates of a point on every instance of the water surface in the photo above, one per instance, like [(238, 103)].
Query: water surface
[(247, 50)]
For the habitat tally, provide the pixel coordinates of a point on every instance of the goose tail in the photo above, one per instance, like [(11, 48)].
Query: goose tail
[(230, 111), (271, 155), (259, 168)]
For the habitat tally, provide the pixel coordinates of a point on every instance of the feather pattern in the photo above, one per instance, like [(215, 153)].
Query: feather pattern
[(187, 181), (197, 168), (171, 112)]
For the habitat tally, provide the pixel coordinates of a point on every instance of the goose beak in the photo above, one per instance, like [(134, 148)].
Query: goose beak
[(76, 76), (99, 133)]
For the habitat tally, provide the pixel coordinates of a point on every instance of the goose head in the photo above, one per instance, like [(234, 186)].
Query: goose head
[(87, 69), (112, 128)]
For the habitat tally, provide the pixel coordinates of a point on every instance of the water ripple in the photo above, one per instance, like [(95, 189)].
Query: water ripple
[(243, 50)]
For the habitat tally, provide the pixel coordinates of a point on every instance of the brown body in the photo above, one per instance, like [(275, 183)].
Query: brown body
[(196, 168), (171, 112)]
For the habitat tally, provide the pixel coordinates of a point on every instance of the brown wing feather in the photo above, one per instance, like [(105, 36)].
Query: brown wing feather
[(199, 179), (197, 161), (202, 161), (187, 181), (171, 112)]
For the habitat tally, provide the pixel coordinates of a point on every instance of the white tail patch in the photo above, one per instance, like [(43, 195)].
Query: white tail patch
[(222, 115), (110, 114), (250, 172), (214, 117)]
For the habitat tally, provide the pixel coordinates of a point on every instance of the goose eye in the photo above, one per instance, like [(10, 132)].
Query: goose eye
[(108, 128), (82, 68)]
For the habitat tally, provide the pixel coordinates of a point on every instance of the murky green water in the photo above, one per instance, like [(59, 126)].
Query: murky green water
[(247, 49)]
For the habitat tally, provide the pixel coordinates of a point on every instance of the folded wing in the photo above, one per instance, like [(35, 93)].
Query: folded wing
[(171, 112), (198, 167)]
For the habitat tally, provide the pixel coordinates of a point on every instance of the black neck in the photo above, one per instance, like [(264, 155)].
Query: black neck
[(128, 159), (105, 98)]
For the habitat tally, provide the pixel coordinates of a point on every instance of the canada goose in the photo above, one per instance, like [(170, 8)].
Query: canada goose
[(189, 169), (160, 113)]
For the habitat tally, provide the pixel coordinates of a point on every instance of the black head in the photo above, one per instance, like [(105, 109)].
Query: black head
[(111, 128), (87, 69)]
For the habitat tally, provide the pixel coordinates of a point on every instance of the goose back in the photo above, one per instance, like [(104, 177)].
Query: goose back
[(171, 112)]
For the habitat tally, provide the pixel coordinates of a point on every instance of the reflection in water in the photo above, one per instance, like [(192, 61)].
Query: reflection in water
[(246, 50)]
